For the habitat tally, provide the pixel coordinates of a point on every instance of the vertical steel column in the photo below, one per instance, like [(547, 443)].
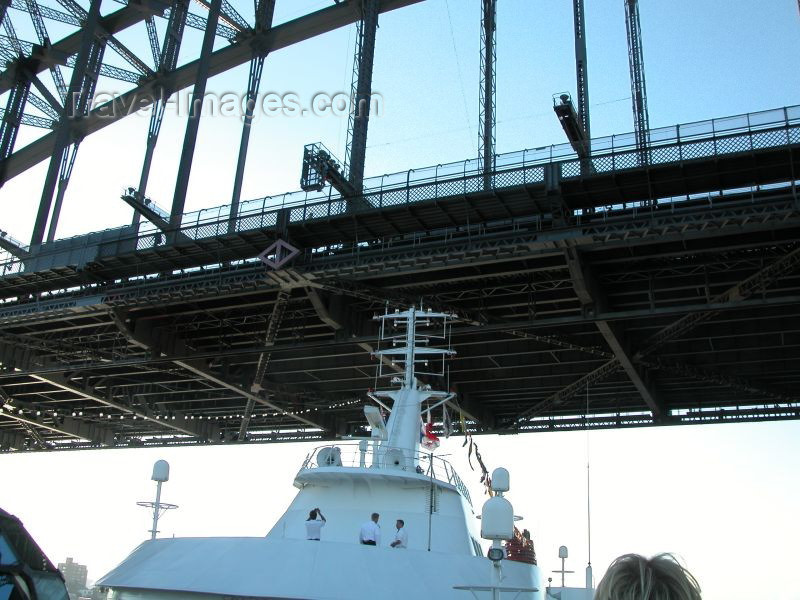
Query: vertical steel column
[(488, 92), (193, 125), (365, 59), (63, 134), (12, 119), (17, 97), (4, 4), (265, 10), (156, 118), (641, 120), (67, 163), (581, 69), (273, 326), (166, 62), (82, 105)]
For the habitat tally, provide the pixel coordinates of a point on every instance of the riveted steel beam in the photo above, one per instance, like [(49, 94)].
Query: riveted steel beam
[(273, 39)]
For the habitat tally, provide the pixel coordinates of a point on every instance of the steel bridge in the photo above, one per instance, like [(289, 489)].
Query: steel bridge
[(637, 280)]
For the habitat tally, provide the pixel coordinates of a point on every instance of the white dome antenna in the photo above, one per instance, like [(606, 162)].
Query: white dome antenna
[(501, 481), (497, 518), (563, 554), (160, 471), (160, 475)]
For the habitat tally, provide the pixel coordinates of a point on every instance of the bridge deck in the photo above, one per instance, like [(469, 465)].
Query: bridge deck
[(675, 300)]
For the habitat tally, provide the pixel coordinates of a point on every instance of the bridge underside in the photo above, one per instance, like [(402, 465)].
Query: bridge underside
[(676, 301)]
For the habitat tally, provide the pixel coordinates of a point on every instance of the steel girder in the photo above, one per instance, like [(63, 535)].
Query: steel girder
[(488, 91), (593, 298), (753, 284), (166, 59), (80, 93), (581, 66), (13, 117), (265, 11), (641, 120), (362, 97), (37, 420), (174, 348), (134, 12), (193, 122), (273, 39), (398, 258)]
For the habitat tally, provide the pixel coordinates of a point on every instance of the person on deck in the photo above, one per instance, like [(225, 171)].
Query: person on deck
[(401, 537), (314, 525), (370, 534)]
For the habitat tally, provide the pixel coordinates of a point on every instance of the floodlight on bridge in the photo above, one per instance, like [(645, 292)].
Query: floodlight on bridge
[(571, 122)]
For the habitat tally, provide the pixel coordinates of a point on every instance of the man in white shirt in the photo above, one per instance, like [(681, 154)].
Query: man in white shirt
[(370, 534), (401, 537), (314, 525)]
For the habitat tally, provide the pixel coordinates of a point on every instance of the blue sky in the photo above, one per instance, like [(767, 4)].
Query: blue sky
[(720, 496)]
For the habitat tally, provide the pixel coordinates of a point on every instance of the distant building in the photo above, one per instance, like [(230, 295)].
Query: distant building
[(74, 576)]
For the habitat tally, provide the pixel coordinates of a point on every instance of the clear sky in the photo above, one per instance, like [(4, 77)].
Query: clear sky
[(722, 497)]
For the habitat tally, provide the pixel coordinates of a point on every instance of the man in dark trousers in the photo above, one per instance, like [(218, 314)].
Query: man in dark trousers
[(371, 532)]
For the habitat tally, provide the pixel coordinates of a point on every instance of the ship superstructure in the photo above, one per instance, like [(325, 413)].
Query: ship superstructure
[(389, 473)]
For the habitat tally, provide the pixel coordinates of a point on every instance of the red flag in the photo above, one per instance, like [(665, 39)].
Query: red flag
[(429, 440)]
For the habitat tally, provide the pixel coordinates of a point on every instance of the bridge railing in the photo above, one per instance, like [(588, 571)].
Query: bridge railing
[(703, 139), (691, 141)]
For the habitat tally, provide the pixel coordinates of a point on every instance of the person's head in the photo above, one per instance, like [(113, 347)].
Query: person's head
[(375, 517), (312, 515), (634, 577), (400, 523)]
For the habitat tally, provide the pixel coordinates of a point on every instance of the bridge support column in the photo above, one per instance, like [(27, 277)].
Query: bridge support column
[(582, 75), (81, 91), (156, 118), (581, 67), (641, 119), (166, 61), (193, 125), (362, 98), (488, 91), (12, 119), (264, 13)]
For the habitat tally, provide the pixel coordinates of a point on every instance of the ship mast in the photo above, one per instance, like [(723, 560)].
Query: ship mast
[(410, 336)]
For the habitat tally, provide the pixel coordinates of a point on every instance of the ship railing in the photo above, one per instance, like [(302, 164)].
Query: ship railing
[(349, 456)]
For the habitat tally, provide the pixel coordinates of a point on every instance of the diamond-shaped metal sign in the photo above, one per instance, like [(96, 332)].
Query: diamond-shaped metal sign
[(278, 254)]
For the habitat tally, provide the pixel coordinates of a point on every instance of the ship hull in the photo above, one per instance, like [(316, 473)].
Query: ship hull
[(217, 568)]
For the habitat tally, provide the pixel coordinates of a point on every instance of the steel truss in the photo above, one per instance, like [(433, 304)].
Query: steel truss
[(641, 119), (674, 301), (488, 91)]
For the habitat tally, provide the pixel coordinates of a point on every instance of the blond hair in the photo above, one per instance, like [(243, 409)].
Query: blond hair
[(634, 577)]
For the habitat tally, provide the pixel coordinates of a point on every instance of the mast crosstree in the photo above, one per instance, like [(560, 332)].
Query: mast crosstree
[(412, 337)]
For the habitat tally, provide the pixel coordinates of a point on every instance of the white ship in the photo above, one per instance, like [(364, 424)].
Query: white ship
[(391, 474)]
